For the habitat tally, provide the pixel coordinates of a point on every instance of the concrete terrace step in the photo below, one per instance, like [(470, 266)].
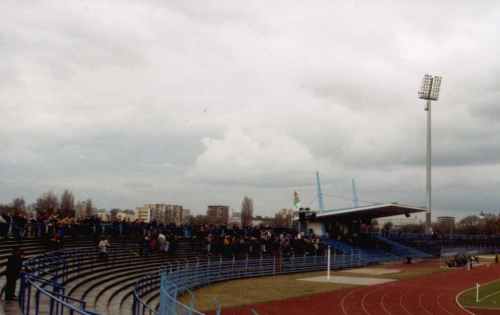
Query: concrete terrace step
[(108, 288), (109, 297), (152, 298), (87, 274), (84, 288), (123, 294), (112, 293)]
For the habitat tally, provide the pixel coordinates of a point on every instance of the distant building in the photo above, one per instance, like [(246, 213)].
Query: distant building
[(186, 216), (143, 214), (126, 215), (218, 214), (263, 221), (446, 220), (103, 215), (235, 218), (161, 213)]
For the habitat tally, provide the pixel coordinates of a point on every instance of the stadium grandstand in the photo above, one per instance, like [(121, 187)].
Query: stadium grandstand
[(92, 267)]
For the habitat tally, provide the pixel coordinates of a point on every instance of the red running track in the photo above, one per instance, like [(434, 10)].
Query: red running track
[(431, 294)]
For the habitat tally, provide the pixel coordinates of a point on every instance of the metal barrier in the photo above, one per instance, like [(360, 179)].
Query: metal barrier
[(42, 283), (468, 250), (181, 278)]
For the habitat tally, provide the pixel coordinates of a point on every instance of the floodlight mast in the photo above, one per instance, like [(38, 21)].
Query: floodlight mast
[(429, 91)]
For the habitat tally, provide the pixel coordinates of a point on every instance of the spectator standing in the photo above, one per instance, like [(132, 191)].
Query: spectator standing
[(161, 242), (14, 265), (145, 245), (103, 248), (4, 226)]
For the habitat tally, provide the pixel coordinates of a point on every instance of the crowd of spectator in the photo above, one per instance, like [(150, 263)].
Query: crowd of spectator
[(227, 241), (251, 242)]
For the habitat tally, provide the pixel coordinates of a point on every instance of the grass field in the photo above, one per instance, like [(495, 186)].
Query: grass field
[(489, 296), (258, 290), (266, 289)]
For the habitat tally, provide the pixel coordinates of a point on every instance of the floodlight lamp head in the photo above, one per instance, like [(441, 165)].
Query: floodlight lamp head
[(430, 88)]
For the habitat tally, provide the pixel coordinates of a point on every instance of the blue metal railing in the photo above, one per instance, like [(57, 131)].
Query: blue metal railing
[(42, 284), (42, 289), (468, 250), (175, 280)]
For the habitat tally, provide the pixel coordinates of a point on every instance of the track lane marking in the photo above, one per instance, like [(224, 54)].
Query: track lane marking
[(422, 305), (402, 306)]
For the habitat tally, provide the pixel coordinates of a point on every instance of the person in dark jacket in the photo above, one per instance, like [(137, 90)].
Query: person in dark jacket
[(4, 225), (14, 265)]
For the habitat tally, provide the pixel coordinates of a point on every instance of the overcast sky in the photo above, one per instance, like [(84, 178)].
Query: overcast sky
[(203, 102)]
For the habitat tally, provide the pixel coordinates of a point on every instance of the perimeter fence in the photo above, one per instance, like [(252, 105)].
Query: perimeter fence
[(176, 282), (42, 282)]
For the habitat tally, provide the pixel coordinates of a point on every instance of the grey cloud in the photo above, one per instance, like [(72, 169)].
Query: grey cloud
[(131, 101)]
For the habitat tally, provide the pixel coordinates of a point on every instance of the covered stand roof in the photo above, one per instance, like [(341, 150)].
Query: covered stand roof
[(372, 211)]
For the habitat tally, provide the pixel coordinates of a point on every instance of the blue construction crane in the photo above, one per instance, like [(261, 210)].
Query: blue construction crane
[(320, 194), (355, 201)]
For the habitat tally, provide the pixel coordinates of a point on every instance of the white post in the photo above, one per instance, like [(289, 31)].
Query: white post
[(477, 293), (328, 264)]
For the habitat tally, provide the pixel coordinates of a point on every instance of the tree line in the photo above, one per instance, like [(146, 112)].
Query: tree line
[(484, 223), (50, 204)]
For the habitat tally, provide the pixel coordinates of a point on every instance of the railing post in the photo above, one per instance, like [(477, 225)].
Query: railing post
[(191, 303), (232, 267), (29, 299), (37, 301), (274, 265), (328, 264), (172, 308), (163, 294), (21, 289), (217, 308), (334, 257), (208, 271), (220, 266)]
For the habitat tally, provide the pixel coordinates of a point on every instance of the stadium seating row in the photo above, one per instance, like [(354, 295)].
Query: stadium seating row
[(104, 284)]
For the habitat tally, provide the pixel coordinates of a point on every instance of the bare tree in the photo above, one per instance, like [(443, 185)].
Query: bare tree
[(470, 225), (283, 218), (246, 211), (47, 204), (89, 208), (67, 208), (18, 206), (5, 209)]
